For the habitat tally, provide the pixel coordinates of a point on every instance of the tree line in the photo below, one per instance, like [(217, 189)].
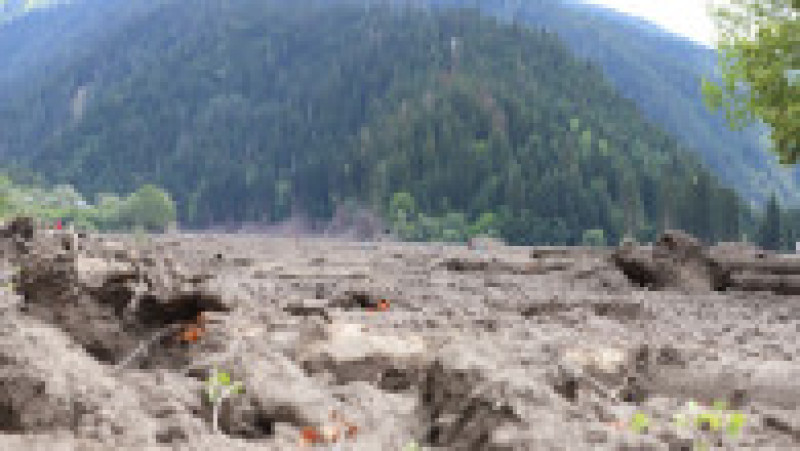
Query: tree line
[(149, 208)]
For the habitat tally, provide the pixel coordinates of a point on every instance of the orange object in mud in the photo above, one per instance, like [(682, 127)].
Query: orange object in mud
[(310, 436), (351, 431), (383, 305), (192, 332)]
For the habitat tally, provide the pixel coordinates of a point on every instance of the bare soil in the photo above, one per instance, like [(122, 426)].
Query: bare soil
[(107, 342)]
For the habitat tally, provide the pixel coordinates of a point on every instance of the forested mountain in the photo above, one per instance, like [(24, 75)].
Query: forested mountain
[(661, 73), (249, 110), (656, 69), (48, 39)]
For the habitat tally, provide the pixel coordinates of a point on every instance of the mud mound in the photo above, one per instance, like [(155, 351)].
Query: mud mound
[(109, 342), (678, 261)]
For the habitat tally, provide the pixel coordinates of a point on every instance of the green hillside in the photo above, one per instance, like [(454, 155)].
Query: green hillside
[(243, 118), (658, 71), (661, 74)]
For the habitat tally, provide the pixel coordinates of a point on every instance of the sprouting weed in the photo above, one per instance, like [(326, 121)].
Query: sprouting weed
[(640, 422), (715, 419), (720, 405), (707, 420), (220, 388), (735, 423)]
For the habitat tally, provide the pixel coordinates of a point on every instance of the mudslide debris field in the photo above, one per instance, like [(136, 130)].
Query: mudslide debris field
[(110, 341)]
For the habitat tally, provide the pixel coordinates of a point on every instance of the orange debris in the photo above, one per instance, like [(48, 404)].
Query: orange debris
[(192, 332), (310, 436), (352, 429)]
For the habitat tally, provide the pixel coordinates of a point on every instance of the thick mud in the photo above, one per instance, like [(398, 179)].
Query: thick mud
[(108, 342)]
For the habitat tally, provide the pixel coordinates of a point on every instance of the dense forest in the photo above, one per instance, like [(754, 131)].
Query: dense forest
[(448, 123), (661, 73), (47, 39)]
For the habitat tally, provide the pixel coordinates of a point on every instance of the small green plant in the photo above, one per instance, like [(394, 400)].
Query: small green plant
[(715, 419), (708, 421), (735, 423), (640, 423), (219, 388), (412, 446)]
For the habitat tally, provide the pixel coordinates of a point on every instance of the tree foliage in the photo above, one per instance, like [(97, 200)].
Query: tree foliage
[(241, 118), (759, 50), (150, 208), (5, 204), (594, 237), (769, 234)]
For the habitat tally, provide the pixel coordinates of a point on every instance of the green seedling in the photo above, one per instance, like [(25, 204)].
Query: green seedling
[(218, 390), (640, 423), (712, 421), (720, 405), (735, 423), (411, 446)]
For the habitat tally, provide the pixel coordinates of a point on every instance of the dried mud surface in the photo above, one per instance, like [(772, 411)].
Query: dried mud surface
[(485, 348)]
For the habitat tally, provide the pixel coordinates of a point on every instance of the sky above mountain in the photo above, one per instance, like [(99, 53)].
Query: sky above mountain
[(687, 18)]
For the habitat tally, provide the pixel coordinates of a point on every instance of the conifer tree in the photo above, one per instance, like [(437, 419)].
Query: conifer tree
[(770, 231)]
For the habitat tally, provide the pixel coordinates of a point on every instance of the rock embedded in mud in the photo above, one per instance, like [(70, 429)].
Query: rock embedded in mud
[(21, 227)]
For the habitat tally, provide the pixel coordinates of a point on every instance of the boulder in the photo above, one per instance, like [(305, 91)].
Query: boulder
[(20, 227), (15, 237)]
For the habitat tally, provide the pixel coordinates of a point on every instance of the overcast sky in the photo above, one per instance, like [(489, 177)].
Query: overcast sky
[(684, 17)]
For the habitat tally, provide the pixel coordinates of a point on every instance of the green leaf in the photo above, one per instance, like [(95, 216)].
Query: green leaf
[(223, 379), (640, 422), (735, 423), (711, 419)]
